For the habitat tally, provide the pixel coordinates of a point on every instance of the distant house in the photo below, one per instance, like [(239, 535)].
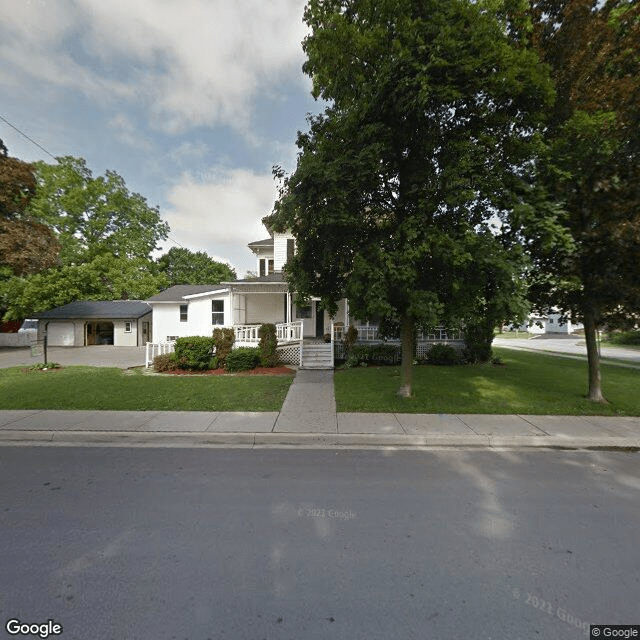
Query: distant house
[(123, 323), (551, 322)]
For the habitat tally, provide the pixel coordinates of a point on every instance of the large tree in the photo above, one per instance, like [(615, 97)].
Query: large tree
[(592, 170), (106, 277), (183, 266), (93, 216), (425, 142), (26, 246), (106, 233)]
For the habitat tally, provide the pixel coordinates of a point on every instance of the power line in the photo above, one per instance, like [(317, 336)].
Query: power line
[(24, 135)]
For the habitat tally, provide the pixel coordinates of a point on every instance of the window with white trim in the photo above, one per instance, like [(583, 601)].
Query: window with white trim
[(217, 312), (184, 312), (127, 326)]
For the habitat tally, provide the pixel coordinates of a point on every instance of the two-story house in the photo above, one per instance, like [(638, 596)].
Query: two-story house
[(187, 310)]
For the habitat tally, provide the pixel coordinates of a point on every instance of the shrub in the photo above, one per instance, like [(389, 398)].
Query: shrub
[(165, 362), (477, 339), (243, 359), (223, 340), (194, 352), (443, 354), (378, 354), (625, 337), (268, 345), (350, 338)]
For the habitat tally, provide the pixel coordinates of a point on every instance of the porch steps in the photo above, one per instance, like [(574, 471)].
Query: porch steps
[(316, 356)]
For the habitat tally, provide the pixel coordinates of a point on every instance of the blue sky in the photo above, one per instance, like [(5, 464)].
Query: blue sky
[(191, 101)]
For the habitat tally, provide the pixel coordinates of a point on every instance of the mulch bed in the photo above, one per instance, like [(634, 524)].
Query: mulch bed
[(260, 371)]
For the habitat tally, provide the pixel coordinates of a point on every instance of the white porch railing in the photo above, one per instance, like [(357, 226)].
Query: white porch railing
[(289, 331), (247, 333), (285, 332), (157, 349), (368, 333)]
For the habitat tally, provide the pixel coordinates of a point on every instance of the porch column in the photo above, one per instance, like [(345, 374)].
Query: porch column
[(288, 314), (231, 309)]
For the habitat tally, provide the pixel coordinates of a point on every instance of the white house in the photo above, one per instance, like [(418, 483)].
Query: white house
[(305, 333)]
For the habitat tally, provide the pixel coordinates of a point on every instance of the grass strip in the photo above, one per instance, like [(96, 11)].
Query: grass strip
[(528, 383), (87, 388)]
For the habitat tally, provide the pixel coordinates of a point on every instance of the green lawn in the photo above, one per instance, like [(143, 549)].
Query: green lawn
[(529, 383), (105, 388)]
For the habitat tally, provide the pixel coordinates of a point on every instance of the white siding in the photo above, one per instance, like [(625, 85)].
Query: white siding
[(265, 307), (280, 249), (166, 318)]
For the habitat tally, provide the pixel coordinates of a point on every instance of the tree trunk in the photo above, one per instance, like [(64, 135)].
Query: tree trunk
[(593, 358), (406, 368)]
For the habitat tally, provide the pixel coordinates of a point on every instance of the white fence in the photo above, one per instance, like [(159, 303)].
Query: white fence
[(157, 349)]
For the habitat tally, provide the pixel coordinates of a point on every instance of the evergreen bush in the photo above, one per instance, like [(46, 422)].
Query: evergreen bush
[(243, 359), (268, 345), (443, 354), (194, 352), (223, 340)]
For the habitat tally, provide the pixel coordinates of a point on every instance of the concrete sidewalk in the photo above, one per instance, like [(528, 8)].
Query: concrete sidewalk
[(308, 418), (352, 430)]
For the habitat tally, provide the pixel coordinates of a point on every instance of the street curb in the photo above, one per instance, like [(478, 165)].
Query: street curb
[(306, 440)]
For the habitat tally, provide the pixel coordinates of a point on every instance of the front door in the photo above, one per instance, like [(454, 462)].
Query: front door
[(319, 321)]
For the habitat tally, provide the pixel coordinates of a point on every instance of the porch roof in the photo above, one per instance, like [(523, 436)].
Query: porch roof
[(272, 283)]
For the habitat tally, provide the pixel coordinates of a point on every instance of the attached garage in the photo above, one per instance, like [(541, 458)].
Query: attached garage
[(122, 323)]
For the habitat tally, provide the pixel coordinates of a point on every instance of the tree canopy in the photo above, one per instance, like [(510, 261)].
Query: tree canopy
[(182, 266), (93, 216), (105, 235), (592, 168), (433, 118), (26, 246)]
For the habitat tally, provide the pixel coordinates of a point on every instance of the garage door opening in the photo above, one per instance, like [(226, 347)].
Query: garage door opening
[(99, 333)]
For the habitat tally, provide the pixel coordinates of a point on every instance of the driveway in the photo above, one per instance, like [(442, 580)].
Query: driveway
[(95, 356), (574, 345)]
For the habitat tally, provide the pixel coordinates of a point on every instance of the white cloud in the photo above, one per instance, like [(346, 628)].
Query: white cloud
[(189, 62), (220, 212)]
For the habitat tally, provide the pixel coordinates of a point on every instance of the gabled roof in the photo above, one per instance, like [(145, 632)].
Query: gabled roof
[(100, 309), (179, 291), (267, 243)]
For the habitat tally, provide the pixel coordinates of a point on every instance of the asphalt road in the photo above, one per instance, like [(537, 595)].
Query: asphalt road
[(197, 544)]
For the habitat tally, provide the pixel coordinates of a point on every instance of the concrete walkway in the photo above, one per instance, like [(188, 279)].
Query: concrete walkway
[(308, 418)]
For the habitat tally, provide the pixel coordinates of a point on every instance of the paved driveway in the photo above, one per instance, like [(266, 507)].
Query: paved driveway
[(96, 356), (574, 345)]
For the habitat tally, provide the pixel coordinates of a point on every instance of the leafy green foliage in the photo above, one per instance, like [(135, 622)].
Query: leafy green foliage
[(94, 216), (182, 266), (443, 354), (166, 362), (242, 359), (350, 338), (625, 337), (223, 339), (194, 352), (433, 118), (268, 345), (591, 172), (106, 277), (374, 354)]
